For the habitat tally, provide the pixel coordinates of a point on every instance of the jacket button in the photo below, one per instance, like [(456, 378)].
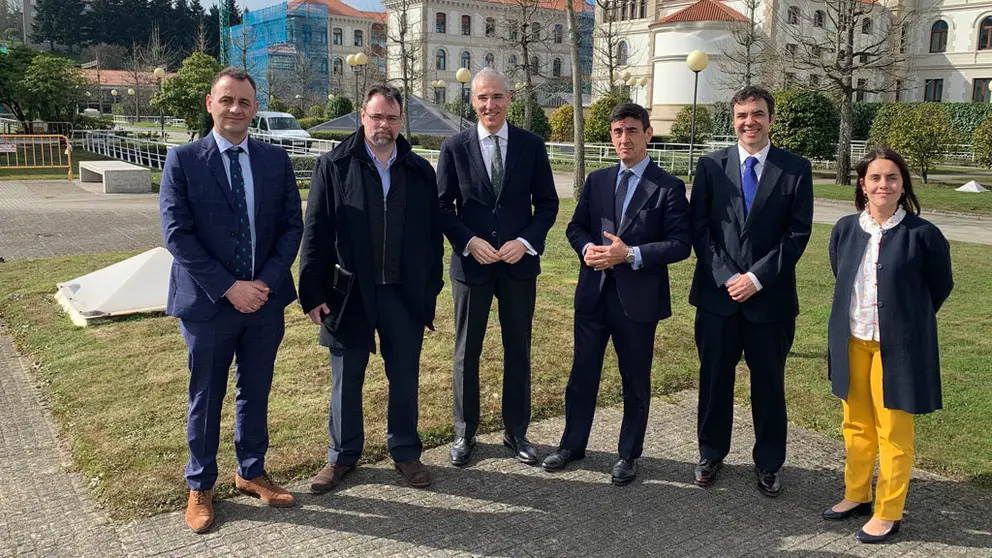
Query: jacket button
[(234, 234), (494, 234), (227, 263), (879, 266), (881, 305)]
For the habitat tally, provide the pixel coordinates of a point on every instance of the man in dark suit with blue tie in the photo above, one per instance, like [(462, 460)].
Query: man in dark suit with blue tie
[(498, 201), (231, 218), (631, 222), (752, 213)]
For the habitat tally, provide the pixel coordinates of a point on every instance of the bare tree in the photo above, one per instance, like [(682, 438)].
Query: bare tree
[(578, 119), (241, 44), (527, 33), (851, 46), (746, 55), (201, 36), (137, 70), (409, 48), (158, 53), (611, 49), (304, 73)]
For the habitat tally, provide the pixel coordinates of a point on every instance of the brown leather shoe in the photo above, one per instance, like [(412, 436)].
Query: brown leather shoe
[(414, 473), (200, 510), (263, 488), (329, 477)]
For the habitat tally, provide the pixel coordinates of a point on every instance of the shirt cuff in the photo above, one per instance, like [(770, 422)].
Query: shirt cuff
[(754, 279), (530, 249), (638, 264), (465, 252), (586, 247), (732, 279)]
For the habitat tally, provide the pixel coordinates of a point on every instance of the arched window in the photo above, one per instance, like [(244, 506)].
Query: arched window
[(866, 27), (490, 60), (535, 65), (441, 23), (337, 36), (644, 9), (793, 17), (337, 67), (558, 33), (623, 11), (359, 38), (490, 27), (985, 38), (439, 59), (511, 63), (938, 37), (466, 59), (535, 31), (818, 18), (323, 66), (622, 53), (556, 68), (466, 25)]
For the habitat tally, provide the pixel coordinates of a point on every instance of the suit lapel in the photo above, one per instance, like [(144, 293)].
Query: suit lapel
[(732, 169), (475, 155), (216, 163), (646, 188), (514, 148), (606, 196), (766, 185)]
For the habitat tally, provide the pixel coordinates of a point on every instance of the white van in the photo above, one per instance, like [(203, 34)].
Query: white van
[(281, 127)]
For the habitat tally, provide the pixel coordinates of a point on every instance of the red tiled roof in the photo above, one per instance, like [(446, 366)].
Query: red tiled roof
[(704, 10), (339, 8), (121, 77), (577, 5)]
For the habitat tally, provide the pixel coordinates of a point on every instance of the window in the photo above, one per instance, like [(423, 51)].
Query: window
[(511, 63), (980, 90), (490, 27), (323, 66), (466, 60), (490, 60), (860, 92), (898, 90), (793, 17), (337, 37), (359, 37), (441, 23), (466, 25), (535, 31), (816, 51), (791, 49), (439, 59), (814, 80), (866, 27), (622, 53), (557, 34), (337, 67), (535, 65), (789, 79), (623, 12), (933, 90), (306, 34), (863, 58), (556, 68), (513, 25), (467, 95), (938, 37), (644, 9), (818, 18)]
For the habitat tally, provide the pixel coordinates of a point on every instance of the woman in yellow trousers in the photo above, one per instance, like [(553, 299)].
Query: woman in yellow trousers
[(893, 272)]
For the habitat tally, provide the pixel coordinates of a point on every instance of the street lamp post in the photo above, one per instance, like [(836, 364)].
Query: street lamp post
[(697, 62), (130, 93), (438, 85), (113, 94), (357, 62), (159, 73), (463, 76)]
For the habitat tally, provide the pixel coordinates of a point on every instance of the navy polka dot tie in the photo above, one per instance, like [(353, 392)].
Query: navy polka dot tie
[(243, 251)]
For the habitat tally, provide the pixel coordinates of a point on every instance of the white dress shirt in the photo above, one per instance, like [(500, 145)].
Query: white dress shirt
[(245, 160), (761, 156), (864, 297), (488, 147)]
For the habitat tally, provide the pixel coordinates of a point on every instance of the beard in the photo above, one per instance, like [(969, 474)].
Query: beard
[(382, 138)]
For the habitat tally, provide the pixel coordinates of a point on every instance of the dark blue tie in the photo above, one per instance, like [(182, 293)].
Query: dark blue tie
[(243, 252), (750, 183), (620, 196)]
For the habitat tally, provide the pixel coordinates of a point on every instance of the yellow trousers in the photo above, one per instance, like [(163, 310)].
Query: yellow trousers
[(870, 428)]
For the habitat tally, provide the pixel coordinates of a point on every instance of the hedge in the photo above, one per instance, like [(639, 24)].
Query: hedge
[(965, 117)]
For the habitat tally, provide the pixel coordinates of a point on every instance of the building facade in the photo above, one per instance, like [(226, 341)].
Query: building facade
[(952, 54)]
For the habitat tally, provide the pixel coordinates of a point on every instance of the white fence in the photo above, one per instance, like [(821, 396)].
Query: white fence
[(169, 120)]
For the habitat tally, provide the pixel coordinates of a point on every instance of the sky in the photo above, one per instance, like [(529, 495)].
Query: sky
[(364, 5)]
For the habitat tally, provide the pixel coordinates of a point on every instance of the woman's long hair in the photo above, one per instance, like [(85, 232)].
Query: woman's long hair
[(908, 199)]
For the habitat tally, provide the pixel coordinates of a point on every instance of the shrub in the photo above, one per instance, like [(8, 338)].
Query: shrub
[(538, 120), (117, 109), (296, 111), (864, 115), (307, 123), (336, 136), (682, 127), (723, 119), (885, 118), (338, 106), (981, 142), (275, 105), (468, 113), (598, 124), (966, 118), (563, 124), (922, 134), (430, 142), (806, 123), (91, 123)]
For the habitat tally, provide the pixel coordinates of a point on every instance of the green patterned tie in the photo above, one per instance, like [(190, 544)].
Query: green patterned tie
[(497, 166)]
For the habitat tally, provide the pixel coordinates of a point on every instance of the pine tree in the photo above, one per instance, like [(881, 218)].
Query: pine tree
[(56, 22)]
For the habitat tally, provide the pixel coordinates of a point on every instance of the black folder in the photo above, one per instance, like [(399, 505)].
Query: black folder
[(338, 297)]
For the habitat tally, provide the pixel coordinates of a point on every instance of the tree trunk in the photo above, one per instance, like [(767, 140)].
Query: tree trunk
[(528, 114), (578, 119), (843, 176)]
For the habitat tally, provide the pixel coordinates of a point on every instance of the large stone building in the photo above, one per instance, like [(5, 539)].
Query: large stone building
[(952, 53)]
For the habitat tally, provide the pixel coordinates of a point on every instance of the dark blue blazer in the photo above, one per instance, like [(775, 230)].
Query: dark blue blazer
[(527, 205), (914, 280), (200, 225), (767, 242), (656, 220)]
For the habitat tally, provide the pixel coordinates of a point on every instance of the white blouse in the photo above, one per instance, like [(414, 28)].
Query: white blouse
[(864, 297)]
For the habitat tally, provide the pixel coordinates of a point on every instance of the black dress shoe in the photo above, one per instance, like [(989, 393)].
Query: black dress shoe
[(461, 451), (706, 471), (560, 458), (768, 483), (860, 509), (624, 472), (872, 539), (522, 449)]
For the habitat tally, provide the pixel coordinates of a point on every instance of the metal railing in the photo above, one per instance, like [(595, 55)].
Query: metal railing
[(169, 120), (144, 152), (35, 151)]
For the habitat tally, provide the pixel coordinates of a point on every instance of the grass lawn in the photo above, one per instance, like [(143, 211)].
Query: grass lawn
[(130, 443), (935, 195)]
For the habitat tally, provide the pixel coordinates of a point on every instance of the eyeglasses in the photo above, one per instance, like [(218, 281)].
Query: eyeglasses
[(380, 118)]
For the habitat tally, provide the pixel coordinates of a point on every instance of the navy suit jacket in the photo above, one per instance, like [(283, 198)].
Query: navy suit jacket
[(200, 225), (767, 242), (656, 220), (526, 208)]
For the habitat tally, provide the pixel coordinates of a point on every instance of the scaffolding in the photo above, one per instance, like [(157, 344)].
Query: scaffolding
[(284, 48)]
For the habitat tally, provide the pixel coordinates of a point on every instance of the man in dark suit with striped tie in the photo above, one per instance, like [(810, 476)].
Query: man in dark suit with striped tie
[(752, 213), (231, 218)]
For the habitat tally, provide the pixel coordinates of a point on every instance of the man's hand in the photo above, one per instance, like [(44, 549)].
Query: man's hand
[(742, 288), (317, 314), (602, 257), (248, 296), (512, 251), (482, 251)]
